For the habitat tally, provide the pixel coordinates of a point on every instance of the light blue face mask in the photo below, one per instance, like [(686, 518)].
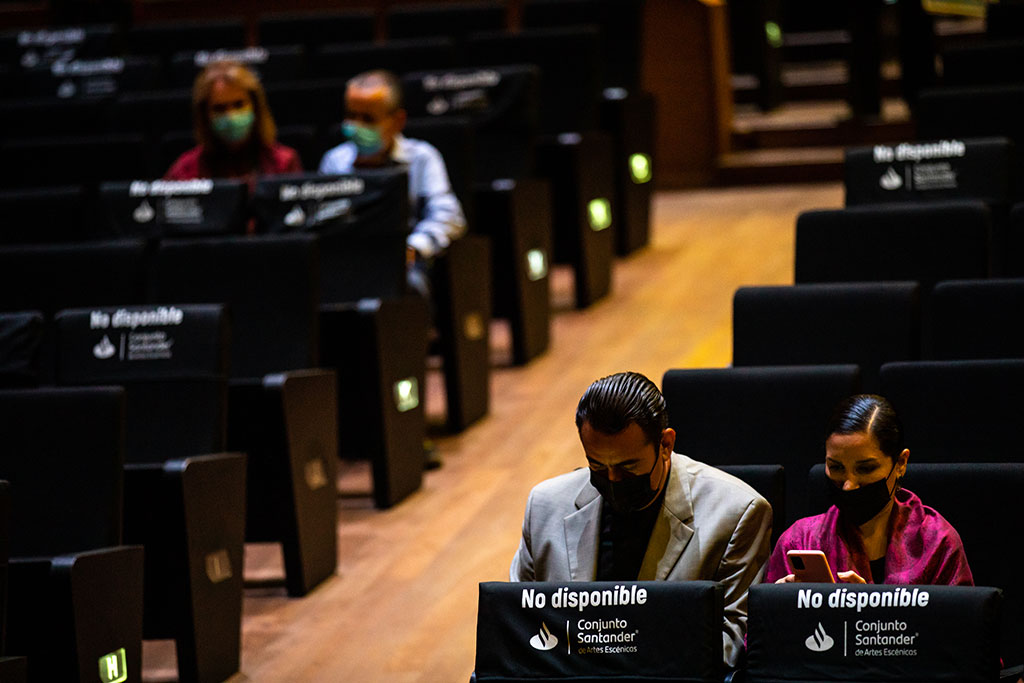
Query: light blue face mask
[(234, 126), (367, 139)]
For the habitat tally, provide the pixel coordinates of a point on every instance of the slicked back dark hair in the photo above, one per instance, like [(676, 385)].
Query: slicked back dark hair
[(611, 403), (872, 414)]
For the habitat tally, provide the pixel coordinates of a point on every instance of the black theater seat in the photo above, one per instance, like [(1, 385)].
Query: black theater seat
[(152, 113), (49, 278), (43, 215), (974, 319), (828, 324), (184, 497), (371, 333), (282, 409), (94, 78), (271, 64), (573, 154), (41, 116), (922, 241), (75, 593), (166, 38), (21, 337), (156, 209), (484, 123), (570, 64), (758, 416), (84, 160), (992, 62), (346, 60), (316, 102), (770, 482), (958, 411), (317, 28), (453, 20), (620, 23)]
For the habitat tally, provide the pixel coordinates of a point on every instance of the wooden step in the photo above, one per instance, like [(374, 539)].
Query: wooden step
[(812, 124), (784, 165)]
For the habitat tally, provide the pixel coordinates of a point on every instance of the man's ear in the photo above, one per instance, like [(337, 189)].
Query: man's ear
[(668, 442), (401, 116)]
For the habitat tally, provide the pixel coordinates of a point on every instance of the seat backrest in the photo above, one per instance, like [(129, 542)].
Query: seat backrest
[(317, 28), (974, 319), (549, 632), (85, 160), (43, 215), (271, 284), (361, 219), (152, 113), (453, 20), (50, 277), (973, 168), (63, 453), (166, 38), (808, 633), (867, 324), (926, 242), (619, 21), (271, 64), (169, 208), (345, 60), (35, 47), (172, 362), (770, 482), (1013, 259), (991, 62), (94, 78), (41, 116), (958, 411), (21, 337), (502, 103), (569, 60), (455, 138), (758, 416), (983, 530)]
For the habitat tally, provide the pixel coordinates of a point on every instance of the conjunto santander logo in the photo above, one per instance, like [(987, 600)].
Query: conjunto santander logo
[(819, 641), (545, 639)]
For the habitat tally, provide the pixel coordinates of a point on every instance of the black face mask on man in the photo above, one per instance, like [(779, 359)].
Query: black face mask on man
[(864, 502), (627, 495)]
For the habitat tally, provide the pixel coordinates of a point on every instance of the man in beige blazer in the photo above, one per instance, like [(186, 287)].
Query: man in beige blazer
[(641, 511)]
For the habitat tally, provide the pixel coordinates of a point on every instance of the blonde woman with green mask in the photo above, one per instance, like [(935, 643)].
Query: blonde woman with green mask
[(235, 132)]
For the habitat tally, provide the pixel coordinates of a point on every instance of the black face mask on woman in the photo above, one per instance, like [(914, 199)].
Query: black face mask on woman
[(861, 504), (628, 495)]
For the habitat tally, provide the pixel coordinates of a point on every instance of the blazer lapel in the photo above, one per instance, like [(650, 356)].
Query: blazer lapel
[(672, 531), (582, 529)]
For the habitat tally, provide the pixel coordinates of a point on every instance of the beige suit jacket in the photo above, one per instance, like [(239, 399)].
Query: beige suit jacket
[(711, 526)]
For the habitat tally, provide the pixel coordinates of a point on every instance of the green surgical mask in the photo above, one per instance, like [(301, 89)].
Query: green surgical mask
[(234, 126), (368, 140)]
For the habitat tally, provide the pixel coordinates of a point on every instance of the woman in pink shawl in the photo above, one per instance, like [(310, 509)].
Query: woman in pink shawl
[(875, 531)]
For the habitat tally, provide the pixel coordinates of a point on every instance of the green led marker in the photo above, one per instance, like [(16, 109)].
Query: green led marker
[(536, 265), (774, 34), (407, 394), (640, 168), (600, 212), (114, 667)]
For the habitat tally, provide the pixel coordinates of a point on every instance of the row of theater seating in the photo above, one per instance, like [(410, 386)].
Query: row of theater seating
[(910, 291), (618, 22)]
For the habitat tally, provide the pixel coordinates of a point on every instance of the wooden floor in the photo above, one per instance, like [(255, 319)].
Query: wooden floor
[(402, 607)]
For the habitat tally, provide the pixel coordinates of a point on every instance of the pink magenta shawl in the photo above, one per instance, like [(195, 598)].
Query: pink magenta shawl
[(923, 547)]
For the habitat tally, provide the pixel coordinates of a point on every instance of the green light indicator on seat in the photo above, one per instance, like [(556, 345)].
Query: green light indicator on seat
[(114, 667), (774, 33), (600, 212), (407, 394), (640, 168), (536, 265)]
